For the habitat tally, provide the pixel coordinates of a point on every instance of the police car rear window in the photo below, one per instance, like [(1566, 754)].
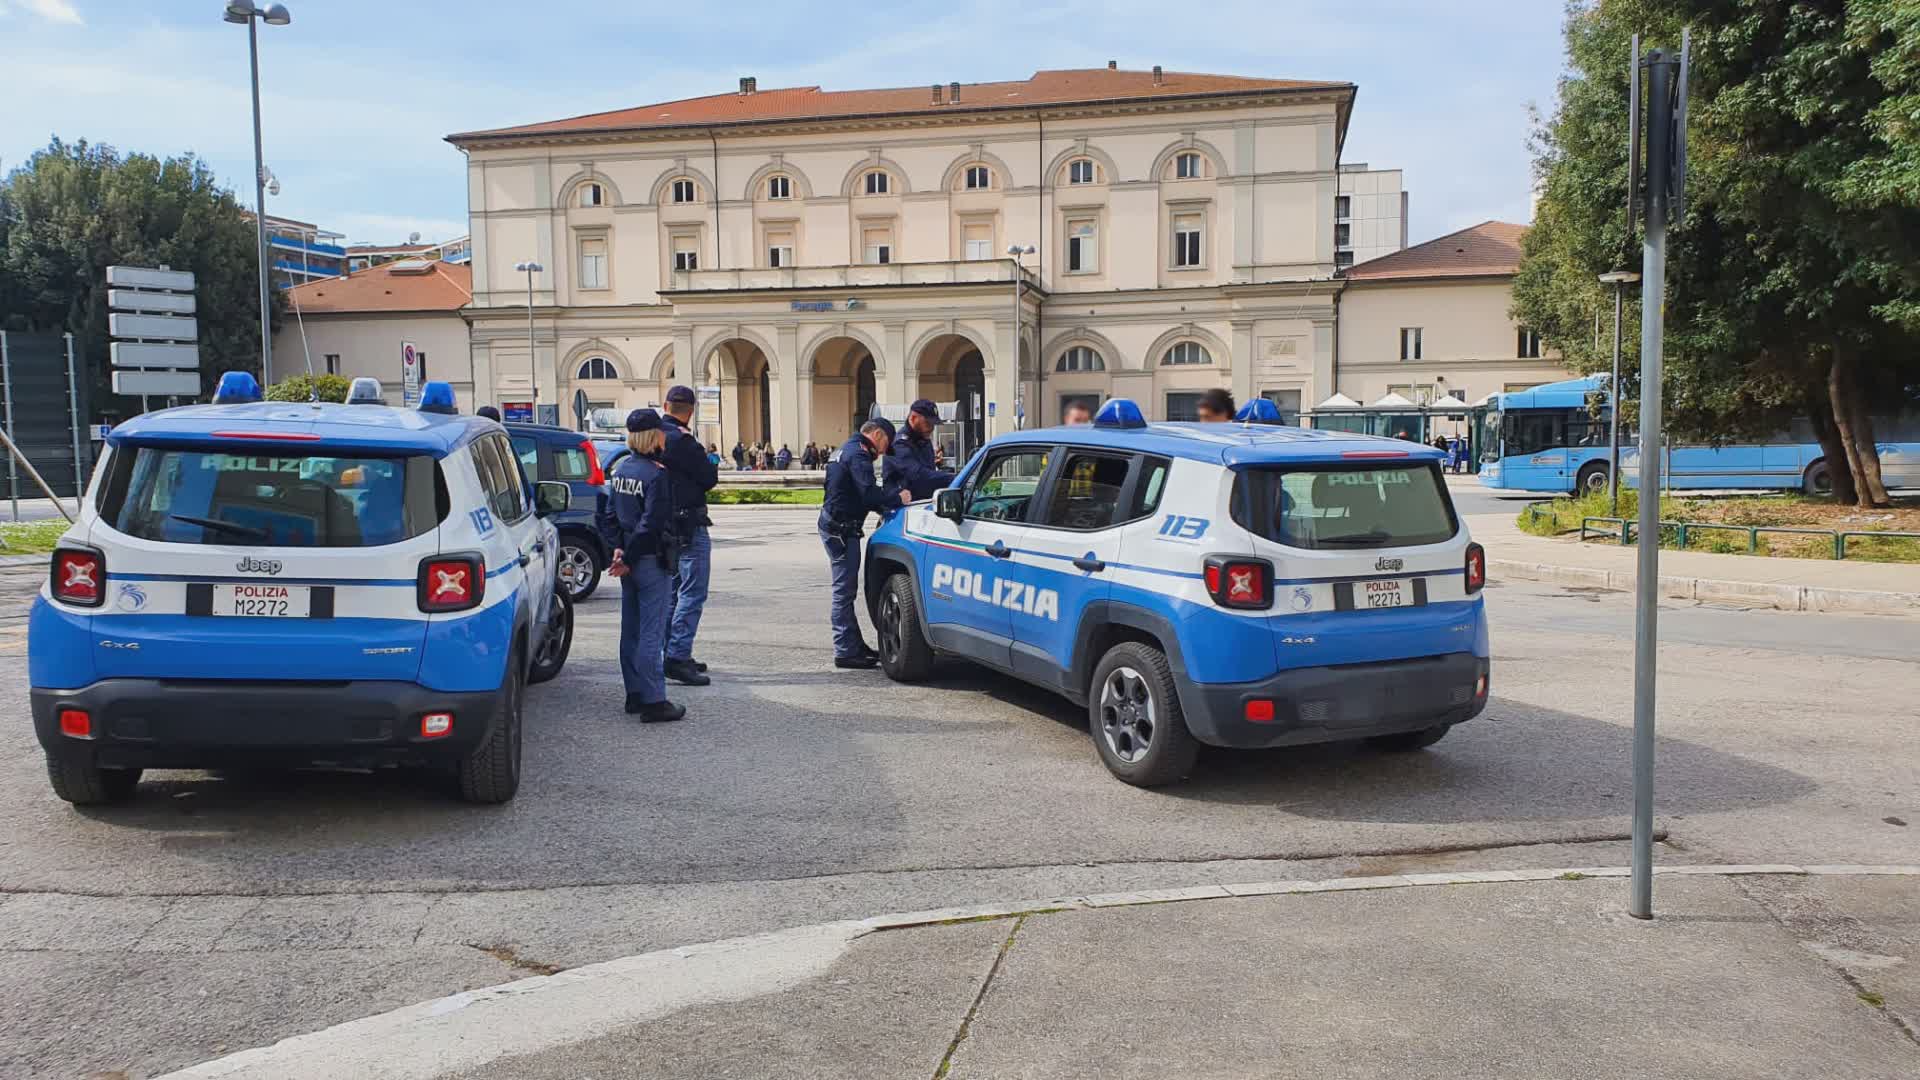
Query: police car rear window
[(272, 499), (1339, 508)]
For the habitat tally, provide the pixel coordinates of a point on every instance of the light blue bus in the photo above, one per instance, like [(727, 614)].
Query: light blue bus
[(1553, 438)]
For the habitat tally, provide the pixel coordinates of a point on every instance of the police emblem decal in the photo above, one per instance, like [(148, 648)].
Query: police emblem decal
[(1302, 598)]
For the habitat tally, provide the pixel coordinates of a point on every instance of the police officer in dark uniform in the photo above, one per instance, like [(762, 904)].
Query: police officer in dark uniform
[(911, 460), (852, 494), (489, 412), (694, 474), (636, 521)]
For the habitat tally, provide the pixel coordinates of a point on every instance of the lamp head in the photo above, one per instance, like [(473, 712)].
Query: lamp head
[(278, 15), (239, 11)]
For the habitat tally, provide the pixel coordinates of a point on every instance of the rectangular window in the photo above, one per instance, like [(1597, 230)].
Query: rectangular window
[(1336, 509), (686, 253), (779, 187), (593, 264), (1080, 172), (1529, 345), (1186, 240), (1342, 206), (1343, 235), (591, 195), (1183, 406), (1006, 485), (1083, 247), (779, 249), (977, 242), (333, 363), (1288, 402), (876, 244), (683, 191), (1342, 259), (1187, 167), (1409, 343), (1086, 492), (978, 179), (876, 183)]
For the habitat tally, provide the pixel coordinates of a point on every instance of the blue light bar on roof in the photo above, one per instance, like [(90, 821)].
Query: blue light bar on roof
[(437, 397), (1119, 413), (236, 388), (1258, 411)]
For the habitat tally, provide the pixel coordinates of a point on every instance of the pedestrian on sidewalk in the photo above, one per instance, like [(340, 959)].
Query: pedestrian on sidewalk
[(851, 495), (636, 522), (739, 455), (784, 460)]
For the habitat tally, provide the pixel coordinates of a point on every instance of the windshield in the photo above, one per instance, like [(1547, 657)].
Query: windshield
[(1333, 507), (272, 500)]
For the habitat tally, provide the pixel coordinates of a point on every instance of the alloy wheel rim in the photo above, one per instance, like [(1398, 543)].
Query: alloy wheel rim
[(1127, 714), (559, 628), (889, 627), (576, 567)]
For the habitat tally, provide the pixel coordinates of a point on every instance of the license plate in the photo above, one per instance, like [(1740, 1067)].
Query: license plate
[(263, 600), (1391, 592)]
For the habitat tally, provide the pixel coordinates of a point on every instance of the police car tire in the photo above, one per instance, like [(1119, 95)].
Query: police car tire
[(1173, 749), (912, 658), (1408, 741), (79, 781), (548, 661), (491, 774)]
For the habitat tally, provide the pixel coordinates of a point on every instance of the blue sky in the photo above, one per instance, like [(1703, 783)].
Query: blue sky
[(358, 94)]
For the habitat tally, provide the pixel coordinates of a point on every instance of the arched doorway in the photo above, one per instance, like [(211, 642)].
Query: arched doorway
[(970, 388), (865, 392), (950, 368), (740, 369), (842, 373)]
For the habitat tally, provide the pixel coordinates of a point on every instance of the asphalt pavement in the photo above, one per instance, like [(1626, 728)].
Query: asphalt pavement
[(219, 912)]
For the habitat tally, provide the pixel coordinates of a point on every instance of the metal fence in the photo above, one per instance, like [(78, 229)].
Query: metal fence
[(43, 407), (1623, 530)]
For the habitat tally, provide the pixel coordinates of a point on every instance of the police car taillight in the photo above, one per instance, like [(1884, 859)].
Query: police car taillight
[(1240, 583), (451, 582), (595, 474), (79, 577), (1476, 567)]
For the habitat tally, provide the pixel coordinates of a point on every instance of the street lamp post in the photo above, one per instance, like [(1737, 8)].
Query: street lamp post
[(1014, 254), (1619, 279), (530, 268), (246, 11)]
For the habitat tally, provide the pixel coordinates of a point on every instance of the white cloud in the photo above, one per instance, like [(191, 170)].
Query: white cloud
[(60, 11)]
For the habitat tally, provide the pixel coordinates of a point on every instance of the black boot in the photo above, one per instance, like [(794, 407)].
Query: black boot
[(699, 665), (661, 712), (858, 661), (684, 673), (634, 704)]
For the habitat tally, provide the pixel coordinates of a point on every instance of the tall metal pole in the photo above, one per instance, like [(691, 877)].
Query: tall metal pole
[(1613, 410), (260, 207), (73, 414), (1653, 272), (6, 378), (1016, 328), (533, 368)]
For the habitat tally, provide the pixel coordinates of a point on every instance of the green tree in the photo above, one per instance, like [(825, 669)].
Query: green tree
[(76, 208), (1793, 280), (304, 388)]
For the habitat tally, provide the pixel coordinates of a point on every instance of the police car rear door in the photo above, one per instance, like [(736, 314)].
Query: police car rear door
[(514, 541), (972, 580), (1073, 535)]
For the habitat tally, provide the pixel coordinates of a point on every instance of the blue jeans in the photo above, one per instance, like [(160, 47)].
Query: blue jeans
[(689, 595), (644, 594), (843, 555)]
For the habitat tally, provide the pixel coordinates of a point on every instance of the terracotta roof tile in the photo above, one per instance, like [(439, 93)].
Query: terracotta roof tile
[(443, 287), (1491, 248), (1080, 85)]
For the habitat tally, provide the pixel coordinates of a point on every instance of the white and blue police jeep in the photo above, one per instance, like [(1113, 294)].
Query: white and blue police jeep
[(267, 583), (1228, 584)]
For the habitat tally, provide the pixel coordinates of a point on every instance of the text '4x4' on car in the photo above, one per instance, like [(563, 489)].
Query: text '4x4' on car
[(262, 583), (1239, 585)]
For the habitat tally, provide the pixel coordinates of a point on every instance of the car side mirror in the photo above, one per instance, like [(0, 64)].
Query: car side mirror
[(950, 503), (551, 497)]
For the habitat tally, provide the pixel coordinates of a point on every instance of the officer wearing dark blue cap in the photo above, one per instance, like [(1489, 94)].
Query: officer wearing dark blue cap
[(636, 521), (852, 494), (694, 474), (912, 462)]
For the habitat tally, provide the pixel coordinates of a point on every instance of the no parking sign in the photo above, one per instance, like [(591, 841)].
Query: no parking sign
[(409, 374)]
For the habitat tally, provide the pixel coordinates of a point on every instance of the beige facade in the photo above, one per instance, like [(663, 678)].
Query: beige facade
[(1468, 344), (810, 267), (369, 343)]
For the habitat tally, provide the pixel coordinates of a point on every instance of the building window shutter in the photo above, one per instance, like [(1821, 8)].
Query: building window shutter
[(593, 264), (977, 242)]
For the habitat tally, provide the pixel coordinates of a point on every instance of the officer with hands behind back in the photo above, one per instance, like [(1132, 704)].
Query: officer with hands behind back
[(851, 495), (636, 521), (694, 474), (912, 463)]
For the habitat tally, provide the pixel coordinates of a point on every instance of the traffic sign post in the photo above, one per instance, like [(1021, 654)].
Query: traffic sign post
[(156, 351), (409, 374)]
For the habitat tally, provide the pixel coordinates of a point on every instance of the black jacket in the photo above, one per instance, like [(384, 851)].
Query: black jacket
[(693, 474), (910, 466), (637, 510), (851, 490)]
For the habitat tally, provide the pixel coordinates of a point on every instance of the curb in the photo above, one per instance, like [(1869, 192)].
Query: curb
[(22, 560), (466, 1030), (1766, 594)]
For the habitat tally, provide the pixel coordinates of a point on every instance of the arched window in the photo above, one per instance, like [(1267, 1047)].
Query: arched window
[(1080, 358), (596, 367), (1083, 171), (779, 187), (1188, 165), (684, 191), (977, 178), (877, 182), (1187, 352), (592, 194)]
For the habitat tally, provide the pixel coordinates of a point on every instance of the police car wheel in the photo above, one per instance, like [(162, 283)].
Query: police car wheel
[(579, 569), (79, 781), (558, 643), (491, 774), (1135, 719), (1409, 741), (904, 653)]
